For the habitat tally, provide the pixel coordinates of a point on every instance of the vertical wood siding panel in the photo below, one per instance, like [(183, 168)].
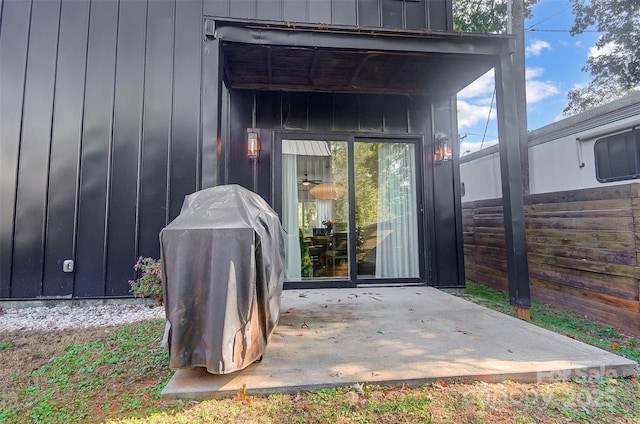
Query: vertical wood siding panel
[(294, 110), (96, 140), (243, 8), (320, 111), (156, 125), (217, 7), (269, 109), (186, 103), (444, 202), (240, 167), (344, 12), (392, 13), (395, 114), (65, 147), (269, 10), (296, 10), (320, 11), (415, 15), (419, 122), (369, 13), (268, 117), (127, 121), (31, 197), (370, 115), (14, 37), (438, 16), (345, 112)]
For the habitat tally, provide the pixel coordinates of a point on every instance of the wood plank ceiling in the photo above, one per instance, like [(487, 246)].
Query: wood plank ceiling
[(265, 67)]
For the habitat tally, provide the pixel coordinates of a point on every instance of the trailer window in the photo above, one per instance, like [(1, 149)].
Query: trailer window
[(618, 157)]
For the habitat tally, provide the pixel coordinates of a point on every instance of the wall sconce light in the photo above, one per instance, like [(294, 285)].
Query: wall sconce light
[(442, 148), (253, 143)]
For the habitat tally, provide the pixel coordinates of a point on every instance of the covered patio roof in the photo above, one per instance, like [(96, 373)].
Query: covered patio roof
[(268, 56)]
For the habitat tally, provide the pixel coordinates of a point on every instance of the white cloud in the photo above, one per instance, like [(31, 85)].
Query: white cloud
[(536, 47), (471, 114), (538, 90), (606, 49), (483, 86)]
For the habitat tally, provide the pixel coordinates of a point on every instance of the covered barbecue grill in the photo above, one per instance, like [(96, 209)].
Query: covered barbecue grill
[(223, 267)]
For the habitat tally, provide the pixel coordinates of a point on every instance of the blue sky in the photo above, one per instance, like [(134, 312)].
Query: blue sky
[(553, 61)]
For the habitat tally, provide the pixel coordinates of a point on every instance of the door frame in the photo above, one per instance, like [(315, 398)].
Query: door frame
[(424, 217)]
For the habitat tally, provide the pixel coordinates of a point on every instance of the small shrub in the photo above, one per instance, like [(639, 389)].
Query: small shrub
[(150, 282)]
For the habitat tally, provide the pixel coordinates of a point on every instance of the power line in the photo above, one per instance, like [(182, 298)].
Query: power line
[(547, 18), (486, 126), (557, 30)]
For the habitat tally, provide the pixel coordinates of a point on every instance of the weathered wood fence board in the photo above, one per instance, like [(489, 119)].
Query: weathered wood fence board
[(583, 248)]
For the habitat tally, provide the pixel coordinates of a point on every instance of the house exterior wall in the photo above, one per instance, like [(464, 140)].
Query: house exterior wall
[(406, 14), (361, 114), (102, 129)]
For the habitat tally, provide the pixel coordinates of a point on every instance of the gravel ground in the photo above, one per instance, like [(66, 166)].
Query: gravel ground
[(62, 317)]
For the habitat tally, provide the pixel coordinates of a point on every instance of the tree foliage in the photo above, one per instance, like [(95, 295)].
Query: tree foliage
[(484, 16), (616, 70)]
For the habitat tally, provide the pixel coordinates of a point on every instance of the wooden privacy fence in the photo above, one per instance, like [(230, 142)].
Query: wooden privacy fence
[(583, 248)]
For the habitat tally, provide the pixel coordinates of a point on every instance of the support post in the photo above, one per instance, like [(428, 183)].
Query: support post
[(521, 92), (212, 149), (512, 190)]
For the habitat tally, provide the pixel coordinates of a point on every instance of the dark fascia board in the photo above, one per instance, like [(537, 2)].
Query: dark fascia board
[(358, 38)]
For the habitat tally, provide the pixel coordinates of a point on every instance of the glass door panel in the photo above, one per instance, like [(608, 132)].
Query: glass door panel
[(315, 209), (386, 210)]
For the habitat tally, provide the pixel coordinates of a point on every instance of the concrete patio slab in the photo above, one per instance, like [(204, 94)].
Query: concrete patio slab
[(393, 335)]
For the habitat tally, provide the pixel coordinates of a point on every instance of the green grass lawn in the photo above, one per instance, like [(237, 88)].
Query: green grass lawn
[(117, 374)]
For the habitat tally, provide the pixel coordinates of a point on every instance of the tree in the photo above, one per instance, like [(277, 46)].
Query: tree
[(615, 71), (485, 16)]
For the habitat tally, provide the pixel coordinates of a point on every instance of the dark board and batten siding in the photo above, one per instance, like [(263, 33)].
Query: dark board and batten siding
[(100, 138), (102, 133), (583, 248), (327, 113), (406, 14)]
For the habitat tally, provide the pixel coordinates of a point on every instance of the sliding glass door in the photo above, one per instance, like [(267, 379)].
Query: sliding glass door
[(350, 209), (386, 209)]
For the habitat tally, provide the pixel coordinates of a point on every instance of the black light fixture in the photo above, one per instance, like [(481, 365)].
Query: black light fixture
[(253, 143), (442, 148), (305, 181)]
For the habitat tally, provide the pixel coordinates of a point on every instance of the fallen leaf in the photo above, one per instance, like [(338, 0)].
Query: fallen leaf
[(302, 295), (440, 385), (404, 387), (304, 325), (336, 374), (290, 310), (462, 331), (615, 346), (380, 331), (297, 398), (299, 334)]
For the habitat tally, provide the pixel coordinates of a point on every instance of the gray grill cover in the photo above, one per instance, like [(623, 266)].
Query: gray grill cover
[(223, 267)]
